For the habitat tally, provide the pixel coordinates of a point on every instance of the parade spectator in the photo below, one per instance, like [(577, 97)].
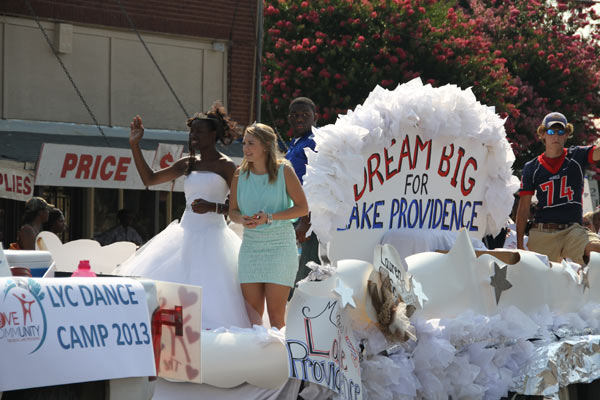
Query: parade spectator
[(302, 117), (35, 216), (511, 234), (56, 222), (556, 177), (499, 241), (123, 232), (1, 224), (201, 249), (266, 195), (588, 221), (596, 220)]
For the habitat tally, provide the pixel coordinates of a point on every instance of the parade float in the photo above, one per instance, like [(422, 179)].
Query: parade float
[(407, 305), (410, 172)]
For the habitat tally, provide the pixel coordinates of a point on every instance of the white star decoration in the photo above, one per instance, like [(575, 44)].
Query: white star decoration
[(417, 290), (585, 279), (345, 294)]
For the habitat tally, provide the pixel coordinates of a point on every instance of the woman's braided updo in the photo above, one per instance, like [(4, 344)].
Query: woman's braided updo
[(221, 122)]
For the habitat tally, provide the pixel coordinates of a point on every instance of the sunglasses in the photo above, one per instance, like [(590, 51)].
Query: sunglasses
[(559, 132)]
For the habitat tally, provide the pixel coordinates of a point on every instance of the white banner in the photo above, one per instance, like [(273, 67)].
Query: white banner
[(592, 189), (56, 331), (165, 156), (4, 268), (86, 166), (321, 345), (178, 184), (415, 184), (16, 184), (416, 157)]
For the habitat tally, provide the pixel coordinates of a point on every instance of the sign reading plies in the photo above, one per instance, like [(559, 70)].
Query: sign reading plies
[(16, 184)]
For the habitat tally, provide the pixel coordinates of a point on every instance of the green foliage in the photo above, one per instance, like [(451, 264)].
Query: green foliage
[(524, 58)]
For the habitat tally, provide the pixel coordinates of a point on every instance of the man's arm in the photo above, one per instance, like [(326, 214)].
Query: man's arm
[(522, 216), (27, 237), (302, 228), (596, 153), (136, 238)]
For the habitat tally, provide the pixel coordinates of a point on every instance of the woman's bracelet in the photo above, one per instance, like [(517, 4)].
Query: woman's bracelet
[(217, 208)]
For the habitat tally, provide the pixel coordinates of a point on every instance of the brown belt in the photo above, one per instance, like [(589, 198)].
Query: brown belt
[(550, 225)]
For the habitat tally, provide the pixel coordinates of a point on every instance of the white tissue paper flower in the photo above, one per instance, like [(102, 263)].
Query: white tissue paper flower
[(444, 114)]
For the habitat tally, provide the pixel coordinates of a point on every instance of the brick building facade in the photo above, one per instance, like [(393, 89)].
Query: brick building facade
[(206, 49), (230, 20)]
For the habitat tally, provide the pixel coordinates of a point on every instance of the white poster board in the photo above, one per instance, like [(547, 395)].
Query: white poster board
[(16, 184), (415, 184), (4, 267), (416, 157), (180, 356), (56, 331), (590, 190), (165, 156), (387, 261), (321, 345)]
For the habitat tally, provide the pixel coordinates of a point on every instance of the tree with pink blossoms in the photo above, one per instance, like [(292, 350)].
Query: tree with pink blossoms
[(523, 57)]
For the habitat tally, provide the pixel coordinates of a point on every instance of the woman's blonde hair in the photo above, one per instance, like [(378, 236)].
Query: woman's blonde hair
[(568, 131), (264, 134)]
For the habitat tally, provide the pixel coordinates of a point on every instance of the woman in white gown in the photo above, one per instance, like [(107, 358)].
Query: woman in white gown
[(200, 250)]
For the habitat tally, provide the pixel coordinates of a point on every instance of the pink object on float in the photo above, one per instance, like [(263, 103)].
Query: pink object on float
[(84, 270)]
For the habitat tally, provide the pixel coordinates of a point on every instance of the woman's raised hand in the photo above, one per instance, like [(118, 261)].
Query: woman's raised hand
[(136, 131)]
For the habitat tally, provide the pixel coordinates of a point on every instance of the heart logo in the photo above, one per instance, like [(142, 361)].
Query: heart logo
[(191, 372), (186, 298), (192, 335)]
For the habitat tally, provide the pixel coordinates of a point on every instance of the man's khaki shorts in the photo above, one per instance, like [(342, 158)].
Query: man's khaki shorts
[(559, 244)]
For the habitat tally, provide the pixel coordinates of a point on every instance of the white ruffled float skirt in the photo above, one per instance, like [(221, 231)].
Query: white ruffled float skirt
[(202, 251)]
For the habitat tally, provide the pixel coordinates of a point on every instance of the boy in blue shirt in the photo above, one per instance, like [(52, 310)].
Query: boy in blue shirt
[(302, 117)]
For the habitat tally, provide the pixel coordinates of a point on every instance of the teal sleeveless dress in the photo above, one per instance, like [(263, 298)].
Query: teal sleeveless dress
[(268, 252)]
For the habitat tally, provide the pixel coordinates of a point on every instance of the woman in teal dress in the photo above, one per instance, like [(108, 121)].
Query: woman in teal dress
[(266, 196)]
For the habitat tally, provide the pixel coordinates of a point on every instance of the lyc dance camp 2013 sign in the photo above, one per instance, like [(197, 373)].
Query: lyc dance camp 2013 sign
[(98, 328)]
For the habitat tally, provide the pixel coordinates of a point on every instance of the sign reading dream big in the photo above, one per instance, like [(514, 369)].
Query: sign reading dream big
[(416, 157), (420, 184)]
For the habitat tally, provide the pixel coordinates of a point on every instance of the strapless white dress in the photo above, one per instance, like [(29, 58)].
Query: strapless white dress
[(200, 250)]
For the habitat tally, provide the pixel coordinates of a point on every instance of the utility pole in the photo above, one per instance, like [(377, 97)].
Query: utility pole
[(259, 38)]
